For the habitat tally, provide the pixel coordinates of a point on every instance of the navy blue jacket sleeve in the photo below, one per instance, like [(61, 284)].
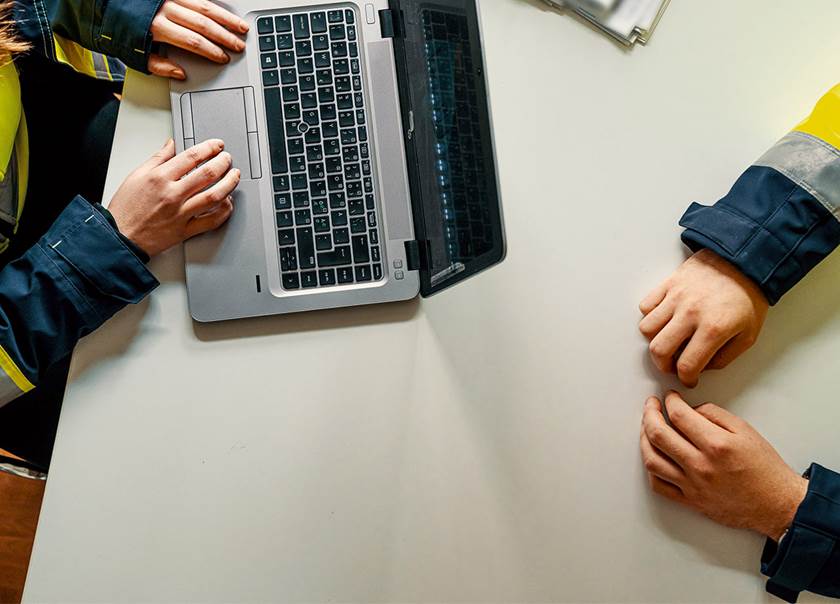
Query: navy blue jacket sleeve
[(808, 557), (67, 285), (117, 28)]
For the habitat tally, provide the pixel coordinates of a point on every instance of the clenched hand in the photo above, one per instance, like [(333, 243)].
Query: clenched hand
[(702, 317)]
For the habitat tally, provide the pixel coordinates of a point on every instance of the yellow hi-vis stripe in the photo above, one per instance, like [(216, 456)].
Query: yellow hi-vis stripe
[(824, 121), (11, 369), (81, 59)]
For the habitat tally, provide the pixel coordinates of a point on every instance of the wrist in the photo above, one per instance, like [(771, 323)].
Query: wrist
[(788, 503)]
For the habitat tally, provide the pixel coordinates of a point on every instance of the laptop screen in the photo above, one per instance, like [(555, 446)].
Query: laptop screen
[(454, 174)]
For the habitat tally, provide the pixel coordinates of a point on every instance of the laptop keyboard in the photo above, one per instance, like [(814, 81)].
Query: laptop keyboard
[(322, 173)]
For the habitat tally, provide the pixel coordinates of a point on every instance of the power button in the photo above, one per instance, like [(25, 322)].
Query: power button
[(370, 13)]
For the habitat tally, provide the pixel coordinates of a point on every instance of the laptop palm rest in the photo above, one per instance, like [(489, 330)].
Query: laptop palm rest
[(230, 115)]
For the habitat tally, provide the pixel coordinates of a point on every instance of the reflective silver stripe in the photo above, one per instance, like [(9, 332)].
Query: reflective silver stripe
[(100, 66), (811, 163), (9, 391)]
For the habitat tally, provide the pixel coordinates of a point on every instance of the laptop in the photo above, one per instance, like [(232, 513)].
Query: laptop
[(363, 133)]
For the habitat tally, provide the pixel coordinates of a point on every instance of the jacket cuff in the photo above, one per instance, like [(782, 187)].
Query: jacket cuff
[(125, 31), (795, 564), (136, 249), (772, 228), (105, 274)]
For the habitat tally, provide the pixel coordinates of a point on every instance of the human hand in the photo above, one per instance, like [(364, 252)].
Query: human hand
[(716, 463), (171, 198), (702, 317), (199, 26)]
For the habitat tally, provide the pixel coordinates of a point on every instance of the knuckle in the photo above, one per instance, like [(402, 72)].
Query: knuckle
[(656, 435), (194, 41), (720, 448), (657, 350), (686, 367), (194, 154), (650, 464)]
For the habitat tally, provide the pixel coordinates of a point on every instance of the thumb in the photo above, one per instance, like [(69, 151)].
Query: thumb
[(162, 156)]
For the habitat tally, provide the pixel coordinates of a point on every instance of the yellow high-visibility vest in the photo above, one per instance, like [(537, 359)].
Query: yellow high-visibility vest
[(14, 150)]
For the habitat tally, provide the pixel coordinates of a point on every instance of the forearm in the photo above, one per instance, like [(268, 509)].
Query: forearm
[(75, 278)]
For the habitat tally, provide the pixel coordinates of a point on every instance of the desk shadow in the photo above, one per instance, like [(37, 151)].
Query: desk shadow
[(340, 318)]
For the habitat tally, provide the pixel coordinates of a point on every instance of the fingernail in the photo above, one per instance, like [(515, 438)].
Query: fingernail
[(179, 73), (226, 58), (168, 142), (243, 27), (240, 46)]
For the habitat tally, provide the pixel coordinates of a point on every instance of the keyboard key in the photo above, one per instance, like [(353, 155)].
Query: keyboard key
[(311, 117), (363, 273), (267, 43), (350, 154), (374, 237), (357, 225), (330, 128), (345, 275), (323, 242), (363, 136), (288, 76), (288, 259), (348, 136), (345, 101), (333, 165), (332, 147), (371, 219), (356, 207), (271, 78), (301, 199), (341, 236), (265, 25), (350, 16), (268, 60), (346, 119), (295, 146), (318, 22), (322, 60), (353, 50), (337, 32), (306, 248), (363, 149), (283, 201), (326, 277), (326, 95), (300, 24), (321, 43), (335, 182), (290, 281), (299, 182), (320, 206), (316, 171), (369, 204), (341, 66), (322, 224), (366, 167), (303, 218), (314, 153), (335, 16), (290, 93), (374, 254), (337, 200), (342, 84), (284, 220), (377, 272), (291, 111), (307, 83), (351, 32), (276, 136), (306, 65), (313, 136), (361, 253), (309, 100), (324, 77), (309, 279), (337, 257), (353, 172), (283, 24), (303, 48), (318, 188), (368, 185), (287, 58), (338, 49), (285, 42), (286, 237), (281, 183), (328, 113), (354, 189), (339, 218), (297, 164), (358, 96)]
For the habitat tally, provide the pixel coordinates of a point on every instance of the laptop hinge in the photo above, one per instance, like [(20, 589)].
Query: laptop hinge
[(391, 24), (416, 255)]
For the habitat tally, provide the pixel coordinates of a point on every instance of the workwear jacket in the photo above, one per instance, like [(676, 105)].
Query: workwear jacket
[(781, 218), (83, 270)]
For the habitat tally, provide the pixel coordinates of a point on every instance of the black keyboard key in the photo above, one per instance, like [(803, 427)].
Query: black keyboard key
[(318, 188), (323, 242), (369, 204), (330, 128), (321, 42), (265, 25), (326, 95), (281, 183), (307, 83), (363, 135), (356, 207), (318, 22), (363, 273), (350, 154), (350, 16), (342, 84), (361, 252), (306, 65), (338, 49), (299, 182), (267, 43), (371, 219), (328, 113), (285, 42), (309, 279), (341, 236), (320, 206), (333, 165), (346, 119), (314, 153), (326, 277), (337, 257), (351, 33), (297, 164), (357, 225), (300, 24), (354, 189), (337, 32), (341, 66), (324, 77), (354, 66), (291, 111), (283, 201), (311, 117), (309, 100), (306, 248), (300, 199), (303, 218), (358, 97), (339, 218), (288, 76), (335, 182), (276, 136), (348, 136), (322, 224), (322, 60), (268, 60), (377, 272), (290, 281), (283, 24), (353, 172), (353, 50), (345, 275), (368, 185), (290, 94), (335, 16), (345, 101), (284, 220), (374, 237), (287, 58), (288, 259), (337, 200), (374, 254), (286, 237), (363, 149), (295, 146), (332, 147), (271, 78), (303, 48), (316, 171), (313, 136)]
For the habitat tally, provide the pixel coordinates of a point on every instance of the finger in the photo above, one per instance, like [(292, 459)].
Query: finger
[(657, 464), (165, 68), (178, 35), (721, 417), (653, 299), (732, 350), (209, 199), (666, 343), (207, 27), (662, 436), (184, 163), (700, 350), (667, 490), (657, 318), (217, 14), (205, 175), (166, 153), (212, 220), (695, 427)]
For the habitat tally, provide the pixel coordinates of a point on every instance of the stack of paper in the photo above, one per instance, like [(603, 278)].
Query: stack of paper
[(628, 21)]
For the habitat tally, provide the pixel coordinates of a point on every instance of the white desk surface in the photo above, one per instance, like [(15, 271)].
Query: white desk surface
[(481, 445)]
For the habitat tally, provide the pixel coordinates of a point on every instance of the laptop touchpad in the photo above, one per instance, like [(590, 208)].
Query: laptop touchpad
[(230, 115)]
